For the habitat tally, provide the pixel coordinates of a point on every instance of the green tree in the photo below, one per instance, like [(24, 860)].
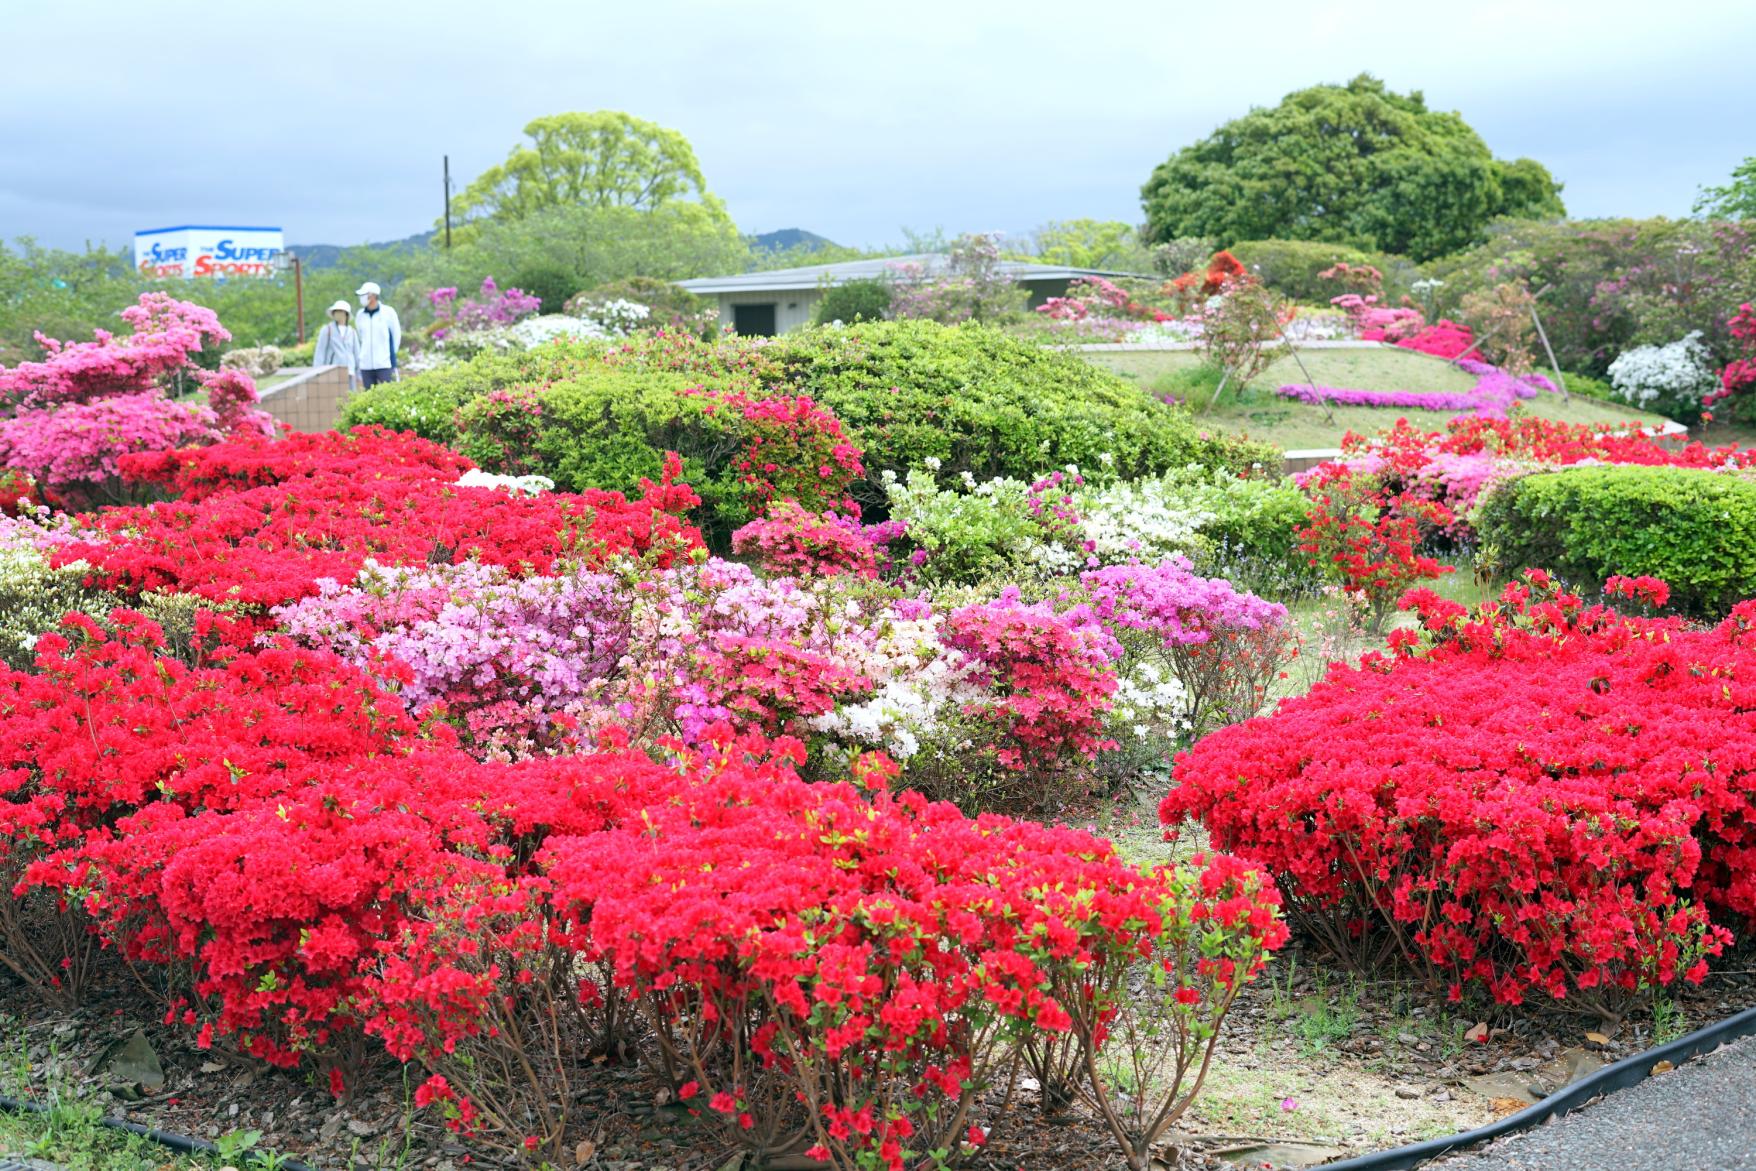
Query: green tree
[(867, 300), (594, 245), (1353, 164), (1734, 201), (1085, 243), (602, 159)]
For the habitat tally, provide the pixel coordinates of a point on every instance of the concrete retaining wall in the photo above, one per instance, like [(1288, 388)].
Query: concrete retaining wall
[(308, 398)]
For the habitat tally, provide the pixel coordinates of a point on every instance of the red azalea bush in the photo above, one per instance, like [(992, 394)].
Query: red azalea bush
[(317, 512), (1368, 537), (1534, 797), (15, 486), (867, 966), (1740, 372), (824, 965), (1050, 681), (1443, 339), (792, 449), (109, 725)]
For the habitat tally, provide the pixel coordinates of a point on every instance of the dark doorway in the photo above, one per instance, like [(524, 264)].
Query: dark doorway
[(753, 320)]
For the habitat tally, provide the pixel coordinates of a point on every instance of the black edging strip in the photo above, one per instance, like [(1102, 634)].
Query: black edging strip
[(1621, 1075), (182, 1143)]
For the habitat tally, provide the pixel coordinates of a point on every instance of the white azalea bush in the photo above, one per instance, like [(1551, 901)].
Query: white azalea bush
[(595, 321), (1670, 379), (1007, 530)]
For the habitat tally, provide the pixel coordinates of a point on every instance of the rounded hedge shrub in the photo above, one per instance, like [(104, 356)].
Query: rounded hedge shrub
[(600, 415), (427, 403), (1290, 267), (867, 300), (982, 401), (1695, 529), (607, 427)]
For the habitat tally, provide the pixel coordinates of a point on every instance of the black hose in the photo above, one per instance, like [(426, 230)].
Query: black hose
[(1621, 1075), (182, 1143)]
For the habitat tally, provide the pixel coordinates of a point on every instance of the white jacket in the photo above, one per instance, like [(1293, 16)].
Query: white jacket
[(380, 337)]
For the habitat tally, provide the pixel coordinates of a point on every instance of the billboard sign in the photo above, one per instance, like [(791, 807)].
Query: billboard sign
[(207, 252)]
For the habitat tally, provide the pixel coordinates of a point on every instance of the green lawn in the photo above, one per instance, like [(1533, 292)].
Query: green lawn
[(1260, 413)]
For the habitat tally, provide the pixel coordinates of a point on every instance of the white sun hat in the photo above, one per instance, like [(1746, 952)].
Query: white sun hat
[(343, 306), (369, 288)]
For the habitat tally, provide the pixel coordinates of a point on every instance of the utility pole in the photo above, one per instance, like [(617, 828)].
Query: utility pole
[(299, 294), (448, 203)]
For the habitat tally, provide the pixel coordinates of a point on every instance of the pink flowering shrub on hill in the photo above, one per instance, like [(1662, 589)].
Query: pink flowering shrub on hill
[(87, 404)]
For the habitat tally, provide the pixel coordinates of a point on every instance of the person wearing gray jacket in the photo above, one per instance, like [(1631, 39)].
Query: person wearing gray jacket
[(338, 342)]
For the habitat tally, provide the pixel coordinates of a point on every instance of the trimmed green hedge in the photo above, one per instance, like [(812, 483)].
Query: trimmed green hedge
[(976, 399), (427, 403), (991, 404), (1695, 529), (608, 427)]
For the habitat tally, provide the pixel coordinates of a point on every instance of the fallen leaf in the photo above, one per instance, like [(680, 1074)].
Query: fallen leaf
[(1597, 1038), (1504, 1106), (1477, 1034), (1662, 1067), (584, 1151)]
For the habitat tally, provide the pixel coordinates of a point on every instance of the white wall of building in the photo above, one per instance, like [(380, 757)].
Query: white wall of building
[(793, 308)]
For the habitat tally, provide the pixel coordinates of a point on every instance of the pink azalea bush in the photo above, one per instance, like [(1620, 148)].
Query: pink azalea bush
[(495, 306), (87, 404)]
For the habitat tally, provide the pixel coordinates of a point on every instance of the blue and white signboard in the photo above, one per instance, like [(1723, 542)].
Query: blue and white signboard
[(201, 252)]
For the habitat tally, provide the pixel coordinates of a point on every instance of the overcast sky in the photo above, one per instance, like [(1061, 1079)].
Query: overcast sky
[(851, 120)]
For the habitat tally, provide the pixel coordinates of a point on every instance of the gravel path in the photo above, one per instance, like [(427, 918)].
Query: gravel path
[(1700, 1117)]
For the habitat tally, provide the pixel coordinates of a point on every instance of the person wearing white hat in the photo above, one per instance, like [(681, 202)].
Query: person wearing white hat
[(380, 337), (338, 342)]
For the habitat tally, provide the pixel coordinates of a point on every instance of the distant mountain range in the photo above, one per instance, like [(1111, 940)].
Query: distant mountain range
[(329, 255), (785, 238)]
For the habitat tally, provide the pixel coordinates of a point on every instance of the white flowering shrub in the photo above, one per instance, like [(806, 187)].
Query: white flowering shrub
[(516, 485), (920, 690), (1006, 530), (257, 362), (1669, 379), (35, 597), (1145, 520), (617, 318)]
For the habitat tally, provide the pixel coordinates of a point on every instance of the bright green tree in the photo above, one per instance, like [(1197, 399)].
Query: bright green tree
[(1734, 201), (1350, 164), (595, 245), (601, 159), (1086, 243)]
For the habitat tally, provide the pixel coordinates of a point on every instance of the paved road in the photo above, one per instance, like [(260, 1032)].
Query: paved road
[(1700, 1117)]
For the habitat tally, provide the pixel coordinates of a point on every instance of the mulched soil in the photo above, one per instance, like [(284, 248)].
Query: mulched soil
[(1313, 1060)]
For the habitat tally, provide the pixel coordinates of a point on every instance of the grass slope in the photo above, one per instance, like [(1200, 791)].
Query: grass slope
[(1291, 425)]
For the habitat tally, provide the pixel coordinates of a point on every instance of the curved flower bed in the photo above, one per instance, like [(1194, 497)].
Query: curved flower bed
[(1493, 394)]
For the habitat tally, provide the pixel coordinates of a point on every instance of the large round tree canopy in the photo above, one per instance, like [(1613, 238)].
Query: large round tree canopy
[(1348, 164)]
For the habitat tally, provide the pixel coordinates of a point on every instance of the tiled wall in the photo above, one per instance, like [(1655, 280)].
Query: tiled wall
[(310, 400)]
